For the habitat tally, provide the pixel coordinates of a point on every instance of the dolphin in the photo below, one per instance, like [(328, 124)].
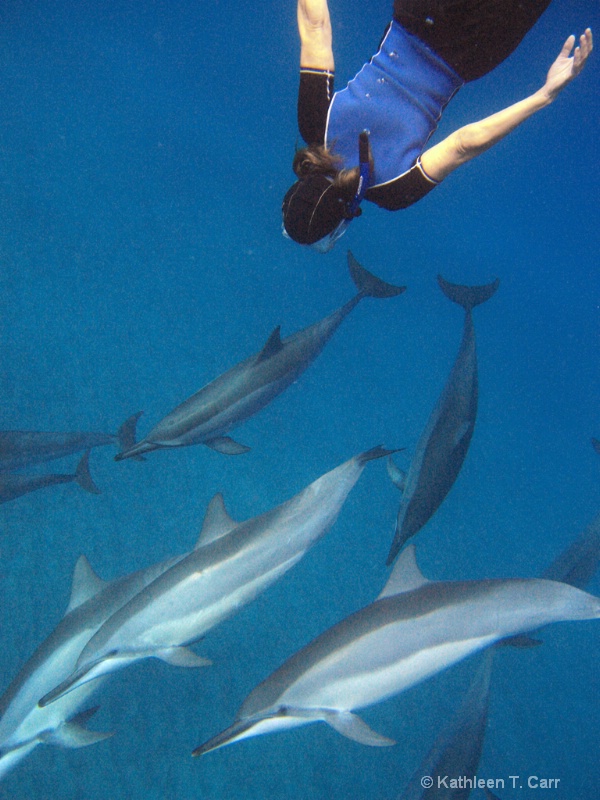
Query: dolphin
[(236, 563), (23, 723), (415, 629), (242, 391), (20, 449), (443, 445), (457, 750), (596, 445), (15, 485)]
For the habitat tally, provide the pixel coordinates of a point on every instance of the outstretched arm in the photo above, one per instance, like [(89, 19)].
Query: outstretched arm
[(314, 27), (474, 139)]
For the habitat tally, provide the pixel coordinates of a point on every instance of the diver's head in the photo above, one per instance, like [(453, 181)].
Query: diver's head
[(314, 211), (318, 208)]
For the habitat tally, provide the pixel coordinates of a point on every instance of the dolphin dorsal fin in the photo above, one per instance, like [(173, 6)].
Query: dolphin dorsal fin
[(85, 584), (405, 576), (272, 346), (217, 522)]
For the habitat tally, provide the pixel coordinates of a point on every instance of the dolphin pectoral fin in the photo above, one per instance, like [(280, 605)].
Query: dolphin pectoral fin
[(465, 429), (82, 475), (182, 657), (72, 733), (127, 436), (227, 446), (353, 727), (396, 475)]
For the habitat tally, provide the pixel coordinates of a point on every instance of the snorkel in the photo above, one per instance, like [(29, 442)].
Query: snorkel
[(353, 209), (364, 160)]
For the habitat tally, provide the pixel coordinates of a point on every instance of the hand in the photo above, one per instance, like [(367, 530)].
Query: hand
[(567, 66)]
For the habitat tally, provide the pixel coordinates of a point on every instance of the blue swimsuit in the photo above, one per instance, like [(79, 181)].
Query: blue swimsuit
[(399, 97)]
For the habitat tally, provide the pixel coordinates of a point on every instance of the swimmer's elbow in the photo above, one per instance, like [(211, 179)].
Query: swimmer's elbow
[(469, 142)]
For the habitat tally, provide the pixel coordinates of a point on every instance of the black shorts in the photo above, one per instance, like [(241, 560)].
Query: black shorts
[(472, 36)]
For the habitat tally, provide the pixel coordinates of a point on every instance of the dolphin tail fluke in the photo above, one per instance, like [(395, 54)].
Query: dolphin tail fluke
[(467, 296), (73, 732), (127, 438), (182, 657), (227, 446), (370, 285), (83, 476), (373, 453), (353, 727)]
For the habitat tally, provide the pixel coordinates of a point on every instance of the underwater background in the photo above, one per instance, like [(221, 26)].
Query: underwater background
[(144, 151)]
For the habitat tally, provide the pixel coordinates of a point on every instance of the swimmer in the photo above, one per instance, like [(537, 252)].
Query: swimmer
[(369, 140)]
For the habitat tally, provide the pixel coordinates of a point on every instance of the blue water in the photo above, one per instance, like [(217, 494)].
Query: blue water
[(144, 150)]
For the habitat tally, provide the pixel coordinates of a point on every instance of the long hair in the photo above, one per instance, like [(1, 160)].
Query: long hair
[(318, 160)]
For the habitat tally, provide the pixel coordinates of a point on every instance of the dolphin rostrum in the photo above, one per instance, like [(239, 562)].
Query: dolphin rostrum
[(20, 449), (208, 415), (443, 445), (415, 629), (13, 485), (23, 723), (236, 563)]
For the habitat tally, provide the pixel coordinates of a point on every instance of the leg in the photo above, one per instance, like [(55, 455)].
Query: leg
[(472, 36)]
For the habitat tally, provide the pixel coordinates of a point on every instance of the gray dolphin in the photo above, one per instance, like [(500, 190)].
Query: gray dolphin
[(457, 750), (415, 629), (208, 415), (237, 562), (15, 485), (443, 445), (20, 449), (23, 723)]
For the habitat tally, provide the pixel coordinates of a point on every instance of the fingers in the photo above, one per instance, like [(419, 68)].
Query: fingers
[(567, 47), (580, 56)]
